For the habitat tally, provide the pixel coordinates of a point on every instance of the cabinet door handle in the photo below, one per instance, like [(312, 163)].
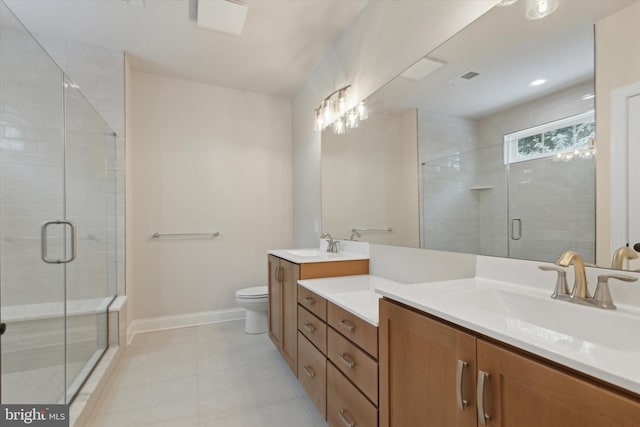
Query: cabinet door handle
[(347, 360), (280, 275), (309, 300), (344, 419), (309, 327), (309, 371), (482, 415), (462, 403), (349, 327), (276, 274)]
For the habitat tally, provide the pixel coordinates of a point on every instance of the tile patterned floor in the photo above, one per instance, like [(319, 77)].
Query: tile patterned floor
[(212, 375)]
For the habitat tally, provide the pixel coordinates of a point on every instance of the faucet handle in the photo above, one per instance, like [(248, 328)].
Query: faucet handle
[(561, 281), (602, 297)]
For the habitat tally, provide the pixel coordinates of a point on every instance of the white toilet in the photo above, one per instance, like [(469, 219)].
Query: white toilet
[(256, 301)]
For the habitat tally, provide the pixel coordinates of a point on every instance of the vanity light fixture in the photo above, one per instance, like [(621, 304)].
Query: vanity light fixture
[(538, 9), (333, 110)]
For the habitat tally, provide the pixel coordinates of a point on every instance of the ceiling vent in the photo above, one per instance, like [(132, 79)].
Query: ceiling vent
[(463, 78), (226, 16), (469, 75)]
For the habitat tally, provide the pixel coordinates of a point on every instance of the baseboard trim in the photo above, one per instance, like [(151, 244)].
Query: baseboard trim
[(183, 320)]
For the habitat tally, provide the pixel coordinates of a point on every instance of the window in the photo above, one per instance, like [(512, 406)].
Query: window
[(571, 135)]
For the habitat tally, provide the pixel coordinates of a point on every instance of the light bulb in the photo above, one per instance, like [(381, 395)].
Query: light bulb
[(538, 9), (338, 126), (318, 125), (363, 114), (352, 119)]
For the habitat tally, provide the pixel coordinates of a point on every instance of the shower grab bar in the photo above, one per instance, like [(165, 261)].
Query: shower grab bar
[(372, 230), (157, 235), (44, 238)]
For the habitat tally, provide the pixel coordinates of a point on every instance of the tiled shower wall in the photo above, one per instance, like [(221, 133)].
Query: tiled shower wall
[(32, 152), (99, 72), (464, 184)]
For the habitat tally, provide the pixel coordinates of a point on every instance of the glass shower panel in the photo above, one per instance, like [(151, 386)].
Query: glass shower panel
[(463, 203), (32, 294), (90, 203), (552, 207)]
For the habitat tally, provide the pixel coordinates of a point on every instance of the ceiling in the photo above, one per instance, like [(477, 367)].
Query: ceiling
[(282, 42), (508, 52)]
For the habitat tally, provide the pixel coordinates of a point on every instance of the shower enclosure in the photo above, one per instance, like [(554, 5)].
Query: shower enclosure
[(57, 225), (478, 202)]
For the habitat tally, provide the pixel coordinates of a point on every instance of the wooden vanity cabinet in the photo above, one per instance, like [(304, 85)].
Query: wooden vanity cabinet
[(418, 362), (418, 381), (283, 298), (336, 370), (523, 392)]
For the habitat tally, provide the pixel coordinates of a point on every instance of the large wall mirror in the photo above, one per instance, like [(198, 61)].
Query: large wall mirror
[(486, 145)]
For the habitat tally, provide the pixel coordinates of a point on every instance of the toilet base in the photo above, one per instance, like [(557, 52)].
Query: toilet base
[(256, 322)]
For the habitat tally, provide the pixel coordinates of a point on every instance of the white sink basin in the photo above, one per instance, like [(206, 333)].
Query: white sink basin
[(560, 322), (310, 253)]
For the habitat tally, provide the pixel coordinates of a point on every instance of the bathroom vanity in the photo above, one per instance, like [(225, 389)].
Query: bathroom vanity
[(485, 350), (286, 267), (445, 375)]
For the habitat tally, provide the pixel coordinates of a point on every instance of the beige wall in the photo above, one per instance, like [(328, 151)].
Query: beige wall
[(617, 65), (370, 179), (380, 44), (203, 158)]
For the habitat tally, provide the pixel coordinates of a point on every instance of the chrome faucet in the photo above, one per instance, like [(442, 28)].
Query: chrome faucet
[(620, 255), (332, 245), (580, 289)]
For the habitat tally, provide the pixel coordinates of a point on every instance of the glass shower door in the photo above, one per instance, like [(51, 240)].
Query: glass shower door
[(32, 297), (90, 203), (552, 208)]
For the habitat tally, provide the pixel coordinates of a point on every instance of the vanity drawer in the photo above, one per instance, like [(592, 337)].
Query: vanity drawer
[(312, 373), (357, 330), (313, 328), (354, 363), (312, 302), (345, 403)]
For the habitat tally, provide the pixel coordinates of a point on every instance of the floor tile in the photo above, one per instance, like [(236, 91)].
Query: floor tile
[(211, 375)]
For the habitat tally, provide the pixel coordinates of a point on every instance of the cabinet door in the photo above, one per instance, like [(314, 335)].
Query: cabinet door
[(290, 274), (275, 302), (418, 371), (522, 392)]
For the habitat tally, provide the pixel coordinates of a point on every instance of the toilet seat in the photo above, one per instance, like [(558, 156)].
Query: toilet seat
[(256, 292)]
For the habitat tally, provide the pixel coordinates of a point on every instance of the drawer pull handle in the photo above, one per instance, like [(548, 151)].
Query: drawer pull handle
[(347, 360), (309, 371), (462, 403), (482, 415), (309, 327), (349, 327), (344, 419), (309, 300)]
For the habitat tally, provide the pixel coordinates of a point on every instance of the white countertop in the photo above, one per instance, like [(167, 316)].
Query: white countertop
[(604, 344), (319, 256), (355, 294)]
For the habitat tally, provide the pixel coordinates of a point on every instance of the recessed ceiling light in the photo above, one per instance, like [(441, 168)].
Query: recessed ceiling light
[(588, 96), (504, 3), (537, 82)]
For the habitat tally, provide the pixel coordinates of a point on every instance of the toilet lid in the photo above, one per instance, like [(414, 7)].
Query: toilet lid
[(254, 292)]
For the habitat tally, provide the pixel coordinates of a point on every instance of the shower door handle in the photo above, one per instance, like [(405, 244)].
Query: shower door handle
[(516, 229), (44, 242)]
